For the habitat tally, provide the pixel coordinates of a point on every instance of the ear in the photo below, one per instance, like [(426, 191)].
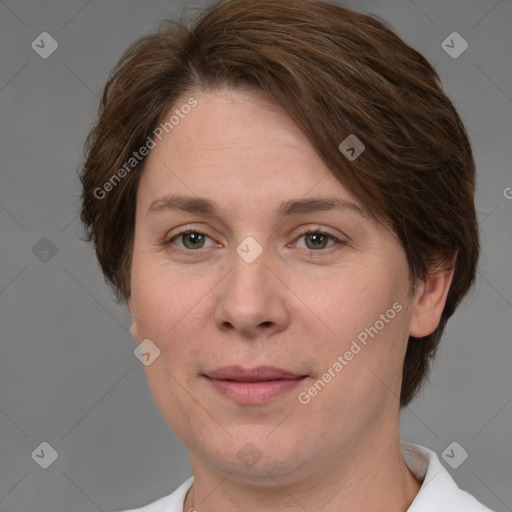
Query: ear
[(430, 298), (133, 328)]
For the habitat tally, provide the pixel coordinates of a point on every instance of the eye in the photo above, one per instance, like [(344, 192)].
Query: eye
[(316, 239), (191, 239)]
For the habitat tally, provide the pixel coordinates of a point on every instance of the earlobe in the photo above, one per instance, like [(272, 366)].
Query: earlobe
[(431, 299), (133, 330), (133, 327)]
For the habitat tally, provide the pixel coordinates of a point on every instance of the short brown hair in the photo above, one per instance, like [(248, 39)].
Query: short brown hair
[(335, 72)]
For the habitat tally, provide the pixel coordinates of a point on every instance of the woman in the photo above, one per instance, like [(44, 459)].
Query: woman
[(282, 194)]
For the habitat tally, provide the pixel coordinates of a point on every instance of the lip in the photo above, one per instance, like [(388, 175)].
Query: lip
[(253, 386), (258, 374)]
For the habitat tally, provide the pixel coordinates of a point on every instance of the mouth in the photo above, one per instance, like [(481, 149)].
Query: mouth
[(253, 386)]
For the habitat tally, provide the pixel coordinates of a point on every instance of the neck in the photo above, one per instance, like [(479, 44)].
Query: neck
[(371, 476)]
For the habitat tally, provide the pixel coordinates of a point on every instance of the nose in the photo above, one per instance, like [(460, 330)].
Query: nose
[(251, 301)]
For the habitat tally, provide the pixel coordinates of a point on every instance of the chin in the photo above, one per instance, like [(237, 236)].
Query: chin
[(263, 472), (258, 456)]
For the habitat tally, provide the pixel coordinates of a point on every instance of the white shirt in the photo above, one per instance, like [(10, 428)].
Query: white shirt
[(438, 492)]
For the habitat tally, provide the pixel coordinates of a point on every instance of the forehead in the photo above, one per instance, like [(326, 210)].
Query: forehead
[(225, 127), (238, 147)]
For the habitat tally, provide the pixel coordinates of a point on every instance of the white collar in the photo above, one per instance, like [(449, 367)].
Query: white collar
[(438, 492)]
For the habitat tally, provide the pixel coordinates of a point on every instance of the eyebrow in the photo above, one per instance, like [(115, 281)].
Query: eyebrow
[(292, 207)]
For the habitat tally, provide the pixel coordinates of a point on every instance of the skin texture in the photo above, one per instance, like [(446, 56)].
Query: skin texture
[(296, 307)]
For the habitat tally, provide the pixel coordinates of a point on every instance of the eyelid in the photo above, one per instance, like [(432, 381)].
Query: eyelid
[(316, 229)]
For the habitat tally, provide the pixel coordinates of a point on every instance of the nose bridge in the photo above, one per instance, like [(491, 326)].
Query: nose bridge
[(249, 273), (250, 295)]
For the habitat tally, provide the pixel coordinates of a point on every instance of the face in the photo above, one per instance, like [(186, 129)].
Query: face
[(247, 287)]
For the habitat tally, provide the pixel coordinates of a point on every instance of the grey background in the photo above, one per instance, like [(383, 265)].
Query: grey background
[(68, 375)]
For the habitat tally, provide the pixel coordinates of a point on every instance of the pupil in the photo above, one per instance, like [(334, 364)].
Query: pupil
[(195, 236), (317, 237)]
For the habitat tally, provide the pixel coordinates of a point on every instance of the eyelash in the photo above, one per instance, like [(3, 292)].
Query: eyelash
[(304, 232)]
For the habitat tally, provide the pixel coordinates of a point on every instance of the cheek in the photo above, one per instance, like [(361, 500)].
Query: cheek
[(362, 317), (168, 311), (346, 301), (168, 306), (357, 380)]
